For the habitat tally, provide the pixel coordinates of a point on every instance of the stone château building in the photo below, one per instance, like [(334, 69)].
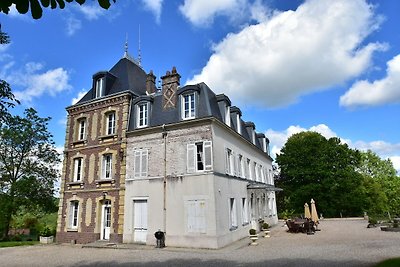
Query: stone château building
[(181, 159)]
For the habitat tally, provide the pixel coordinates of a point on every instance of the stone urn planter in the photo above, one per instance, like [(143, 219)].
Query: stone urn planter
[(46, 239), (265, 227), (253, 237)]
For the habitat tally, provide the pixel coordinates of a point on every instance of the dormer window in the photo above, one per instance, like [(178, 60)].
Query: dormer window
[(188, 106), (142, 115), (111, 123), (228, 115), (100, 87), (238, 124)]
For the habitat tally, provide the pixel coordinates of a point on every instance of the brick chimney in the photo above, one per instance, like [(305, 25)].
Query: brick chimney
[(150, 83), (170, 83)]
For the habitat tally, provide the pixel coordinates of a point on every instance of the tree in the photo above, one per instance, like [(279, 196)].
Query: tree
[(7, 99), (37, 6), (324, 169), (382, 173), (27, 165)]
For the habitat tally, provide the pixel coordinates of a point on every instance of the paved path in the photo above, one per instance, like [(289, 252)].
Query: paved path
[(339, 243)]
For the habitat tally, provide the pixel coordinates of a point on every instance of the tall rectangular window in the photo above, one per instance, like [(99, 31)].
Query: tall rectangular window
[(232, 214), (239, 165), (107, 166), (199, 157), (230, 162), (73, 214), (82, 129), (253, 170), (142, 115), (227, 115), (111, 123), (100, 87), (77, 169), (188, 106), (140, 163), (245, 211), (248, 169)]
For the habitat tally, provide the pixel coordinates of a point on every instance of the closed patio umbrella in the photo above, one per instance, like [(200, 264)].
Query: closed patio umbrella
[(314, 214), (307, 213)]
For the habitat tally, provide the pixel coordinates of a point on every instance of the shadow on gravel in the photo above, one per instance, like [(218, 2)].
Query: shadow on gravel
[(222, 263)]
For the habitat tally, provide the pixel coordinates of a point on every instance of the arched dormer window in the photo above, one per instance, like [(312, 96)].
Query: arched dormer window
[(188, 98), (142, 106)]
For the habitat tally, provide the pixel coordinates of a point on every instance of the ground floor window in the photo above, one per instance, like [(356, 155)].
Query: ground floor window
[(196, 216), (73, 214)]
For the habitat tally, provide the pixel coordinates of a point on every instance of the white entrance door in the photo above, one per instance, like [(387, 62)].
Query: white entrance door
[(105, 220), (140, 220)]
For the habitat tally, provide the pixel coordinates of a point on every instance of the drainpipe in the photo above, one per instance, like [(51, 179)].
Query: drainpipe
[(164, 135)]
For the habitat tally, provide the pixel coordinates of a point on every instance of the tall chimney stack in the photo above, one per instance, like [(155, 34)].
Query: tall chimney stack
[(150, 83), (170, 83)]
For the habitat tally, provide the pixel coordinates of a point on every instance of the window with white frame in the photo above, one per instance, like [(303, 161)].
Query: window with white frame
[(227, 115), (254, 171), (232, 214), (248, 173), (100, 87), (78, 162), (188, 106), (196, 216), (240, 163), (199, 156), (238, 123), (245, 211), (107, 166), (142, 117), (262, 172), (140, 163), (82, 129), (73, 214), (111, 123), (230, 167)]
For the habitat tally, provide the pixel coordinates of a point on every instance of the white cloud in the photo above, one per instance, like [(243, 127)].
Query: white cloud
[(37, 82), (154, 6), (386, 90), (293, 53), (73, 25), (384, 149), (202, 13), (79, 96), (92, 12)]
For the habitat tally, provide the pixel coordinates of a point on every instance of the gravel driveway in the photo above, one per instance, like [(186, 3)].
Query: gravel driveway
[(339, 243)]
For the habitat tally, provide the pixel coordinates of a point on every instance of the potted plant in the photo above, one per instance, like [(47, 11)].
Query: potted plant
[(253, 237), (46, 236), (265, 227)]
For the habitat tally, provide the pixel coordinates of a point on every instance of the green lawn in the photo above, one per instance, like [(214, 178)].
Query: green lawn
[(389, 263), (17, 243)]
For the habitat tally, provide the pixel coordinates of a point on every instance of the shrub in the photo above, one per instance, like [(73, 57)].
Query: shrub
[(46, 232), (252, 231), (16, 238), (265, 226), (372, 221), (395, 224)]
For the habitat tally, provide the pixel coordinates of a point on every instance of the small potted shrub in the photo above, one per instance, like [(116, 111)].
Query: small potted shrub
[(253, 237), (372, 222), (265, 227), (46, 236)]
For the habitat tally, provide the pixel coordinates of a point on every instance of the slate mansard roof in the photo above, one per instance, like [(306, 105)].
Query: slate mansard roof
[(127, 76)]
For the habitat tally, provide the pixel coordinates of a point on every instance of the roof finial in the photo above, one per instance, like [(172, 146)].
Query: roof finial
[(126, 46), (139, 51)]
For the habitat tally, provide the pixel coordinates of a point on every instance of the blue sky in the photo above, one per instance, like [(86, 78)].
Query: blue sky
[(323, 65)]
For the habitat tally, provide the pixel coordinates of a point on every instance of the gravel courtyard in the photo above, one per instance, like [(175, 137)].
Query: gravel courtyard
[(339, 243)]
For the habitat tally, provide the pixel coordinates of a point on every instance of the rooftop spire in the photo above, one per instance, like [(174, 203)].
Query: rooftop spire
[(139, 51), (126, 46)]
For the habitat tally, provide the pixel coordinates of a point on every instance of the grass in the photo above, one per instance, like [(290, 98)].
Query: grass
[(395, 262), (17, 243)]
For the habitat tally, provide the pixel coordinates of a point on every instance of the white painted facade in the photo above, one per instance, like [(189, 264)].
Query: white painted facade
[(201, 206)]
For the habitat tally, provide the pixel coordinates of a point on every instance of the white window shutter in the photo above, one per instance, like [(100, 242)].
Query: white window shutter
[(208, 155), (137, 163), (201, 216), (143, 171), (71, 214), (234, 166), (191, 158), (103, 167), (227, 161)]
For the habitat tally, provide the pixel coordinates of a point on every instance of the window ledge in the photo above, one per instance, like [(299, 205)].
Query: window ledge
[(72, 230), (76, 183), (108, 137), (104, 181), (79, 142)]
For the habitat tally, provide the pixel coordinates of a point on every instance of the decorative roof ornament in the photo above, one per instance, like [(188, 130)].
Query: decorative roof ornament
[(139, 51), (126, 54)]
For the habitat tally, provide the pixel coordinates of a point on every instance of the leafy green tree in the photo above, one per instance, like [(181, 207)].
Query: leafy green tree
[(324, 169), (27, 165), (382, 173), (37, 6), (7, 99)]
